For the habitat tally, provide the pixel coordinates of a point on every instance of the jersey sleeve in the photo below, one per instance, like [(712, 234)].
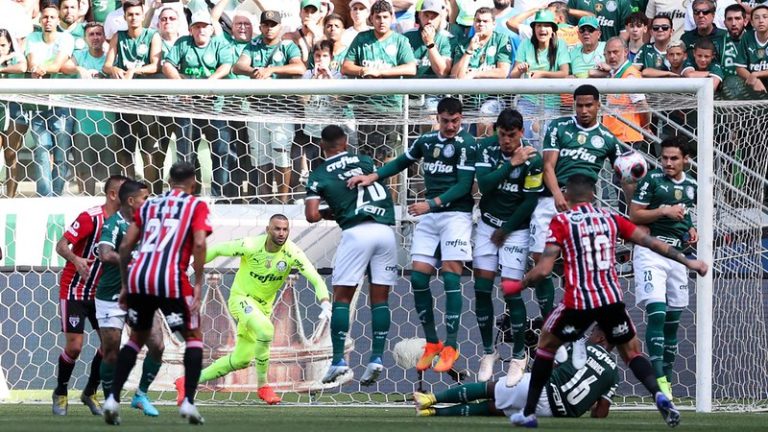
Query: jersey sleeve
[(314, 188), (234, 248), (292, 51), (551, 139), (174, 54), (615, 150), (302, 264), (81, 228), (109, 233), (353, 50), (534, 178), (468, 155), (415, 152), (557, 231), (201, 218), (626, 228), (225, 53), (404, 52), (644, 191)]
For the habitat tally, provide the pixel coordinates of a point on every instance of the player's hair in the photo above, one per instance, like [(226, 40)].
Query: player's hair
[(278, 216), (92, 24), (704, 44), (129, 189), (60, 2), (132, 3), (711, 3), (450, 105), (580, 188), (323, 45), (381, 6), (636, 18), (509, 119), (619, 40), (49, 5), (677, 142), (331, 136), (483, 10), (5, 34), (168, 8), (586, 90), (736, 7), (760, 6), (551, 45), (559, 9), (332, 17), (665, 17), (113, 181), (181, 171)]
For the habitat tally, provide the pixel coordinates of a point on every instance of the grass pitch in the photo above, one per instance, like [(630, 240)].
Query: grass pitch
[(38, 418)]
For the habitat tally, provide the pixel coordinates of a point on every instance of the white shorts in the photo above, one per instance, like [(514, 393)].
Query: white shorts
[(109, 314), (270, 143), (513, 256), (542, 216), (450, 232), (512, 400), (369, 245), (659, 279)]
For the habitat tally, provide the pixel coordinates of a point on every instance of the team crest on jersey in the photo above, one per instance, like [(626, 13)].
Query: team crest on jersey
[(449, 150), (74, 321), (391, 50), (648, 288), (597, 141), (142, 49), (515, 173), (760, 53), (658, 62), (209, 57), (678, 194), (491, 51), (281, 266), (598, 7), (690, 192), (581, 138), (611, 6)]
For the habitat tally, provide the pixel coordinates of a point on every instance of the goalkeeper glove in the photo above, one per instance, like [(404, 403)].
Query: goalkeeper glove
[(325, 312)]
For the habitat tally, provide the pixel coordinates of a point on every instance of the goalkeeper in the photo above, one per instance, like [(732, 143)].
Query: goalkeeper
[(265, 263)]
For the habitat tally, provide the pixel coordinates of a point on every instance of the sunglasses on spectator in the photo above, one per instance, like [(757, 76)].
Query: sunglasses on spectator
[(168, 18), (702, 11), (660, 28), (587, 30)]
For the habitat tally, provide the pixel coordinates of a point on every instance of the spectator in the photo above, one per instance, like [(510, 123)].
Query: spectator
[(268, 57), (721, 6), (430, 44), (674, 9), (751, 61), (202, 56), (311, 29), (69, 21), (703, 64), (704, 12), (676, 56), (565, 31), (47, 50), (541, 56), (333, 30), (611, 14), (379, 53), (651, 59), (359, 11), (13, 64), (636, 26), (735, 22), (591, 52), (134, 53)]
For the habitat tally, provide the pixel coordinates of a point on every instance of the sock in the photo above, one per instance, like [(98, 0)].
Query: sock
[(422, 298), (545, 295), (380, 322), (671, 325), (66, 366), (262, 362), (126, 360), (643, 371), (148, 373), (193, 362), (107, 372), (540, 373), (339, 329), (517, 315), (463, 394), (654, 336), (95, 377), (465, 410), (453, 300), (484, 312)]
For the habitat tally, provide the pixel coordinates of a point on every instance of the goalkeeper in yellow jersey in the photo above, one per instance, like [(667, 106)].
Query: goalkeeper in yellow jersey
[(265, 263)]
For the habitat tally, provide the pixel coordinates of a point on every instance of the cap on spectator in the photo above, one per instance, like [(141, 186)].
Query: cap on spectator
[(589, 21), (676, 43), (437, 6), (330, 6), (545, 16), (200, 17), (270, 15), (308, 3), (365, 3)]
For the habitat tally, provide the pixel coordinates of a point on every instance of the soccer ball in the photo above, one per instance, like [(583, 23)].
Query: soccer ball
[(630, 166)]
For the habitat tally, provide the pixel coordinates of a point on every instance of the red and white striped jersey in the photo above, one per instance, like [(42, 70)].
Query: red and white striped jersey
[(587, 238), (167, 223), (83, 235)]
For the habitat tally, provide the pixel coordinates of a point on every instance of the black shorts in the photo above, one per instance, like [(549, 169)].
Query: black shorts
[(570, 324), (141, 312), (74, 313)]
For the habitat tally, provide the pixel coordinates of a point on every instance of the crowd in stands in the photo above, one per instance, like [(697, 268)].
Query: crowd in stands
[(339, 39)]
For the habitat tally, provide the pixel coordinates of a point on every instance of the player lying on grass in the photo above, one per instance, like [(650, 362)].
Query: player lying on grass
[(265, 263), (570, 392)]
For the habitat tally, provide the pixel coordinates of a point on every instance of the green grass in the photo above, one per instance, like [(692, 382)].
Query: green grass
[(38, 418)]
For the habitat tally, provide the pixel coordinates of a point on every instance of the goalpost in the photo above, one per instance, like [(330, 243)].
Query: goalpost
[(301, 349)]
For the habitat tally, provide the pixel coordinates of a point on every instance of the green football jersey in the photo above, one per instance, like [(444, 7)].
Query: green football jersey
[(497, 49), (442, 158), (714, 68), (610, 14), (263, 55), (572, 392), (101, 8), (581, 150), (718, 38), (111, 234), (421, 53), (657, 190), (751, 54), (336, 62), (730, 51), (133, 52), (650, 57), (498, 206), (582, 63), (194, 61), (350, 206)]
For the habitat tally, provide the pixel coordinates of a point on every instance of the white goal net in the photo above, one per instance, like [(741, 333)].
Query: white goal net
[(723, 335)]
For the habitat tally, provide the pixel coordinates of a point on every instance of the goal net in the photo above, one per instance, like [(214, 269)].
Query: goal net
[(722, 350)]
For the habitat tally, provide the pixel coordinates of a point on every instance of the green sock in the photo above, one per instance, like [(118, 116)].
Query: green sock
[(464, 393), (339, 329), (262, 361), (148, 373), (380, 321), (517, 315), (422, 298), (452, 283), (107, 371), (654, 336), (465, 410), (671, 324), (545, 295), (484, 311)]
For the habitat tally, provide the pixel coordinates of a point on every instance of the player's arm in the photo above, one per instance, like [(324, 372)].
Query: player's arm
[(488, 179), (550, 179), (198, 253), (387, 170), (82, 227), (630, 232), (234, 248), (155, 50), (109, 67), (601, 408), (544, 267), (126, 247), (312, 276), (243, 64), (294, 67)]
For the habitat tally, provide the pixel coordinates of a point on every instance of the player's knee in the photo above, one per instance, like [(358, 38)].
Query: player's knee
[(73, 351), (265, 332), (155, 349), (240, 361)]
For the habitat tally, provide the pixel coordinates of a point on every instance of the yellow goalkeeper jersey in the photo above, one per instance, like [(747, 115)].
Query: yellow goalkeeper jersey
[(262, 273)]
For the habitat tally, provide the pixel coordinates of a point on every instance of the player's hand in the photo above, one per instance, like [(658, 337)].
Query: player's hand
[(498, 237), (522, 154), (428, 34), (561, 204), (262, 73), (474, 43), (360, 180), (675, 212), (117, 73), (418, 209), (83, 266), (326, 312), (758, 86), (522, 67), (371, 73), (129, 74), (693, 236), (698, 266)]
